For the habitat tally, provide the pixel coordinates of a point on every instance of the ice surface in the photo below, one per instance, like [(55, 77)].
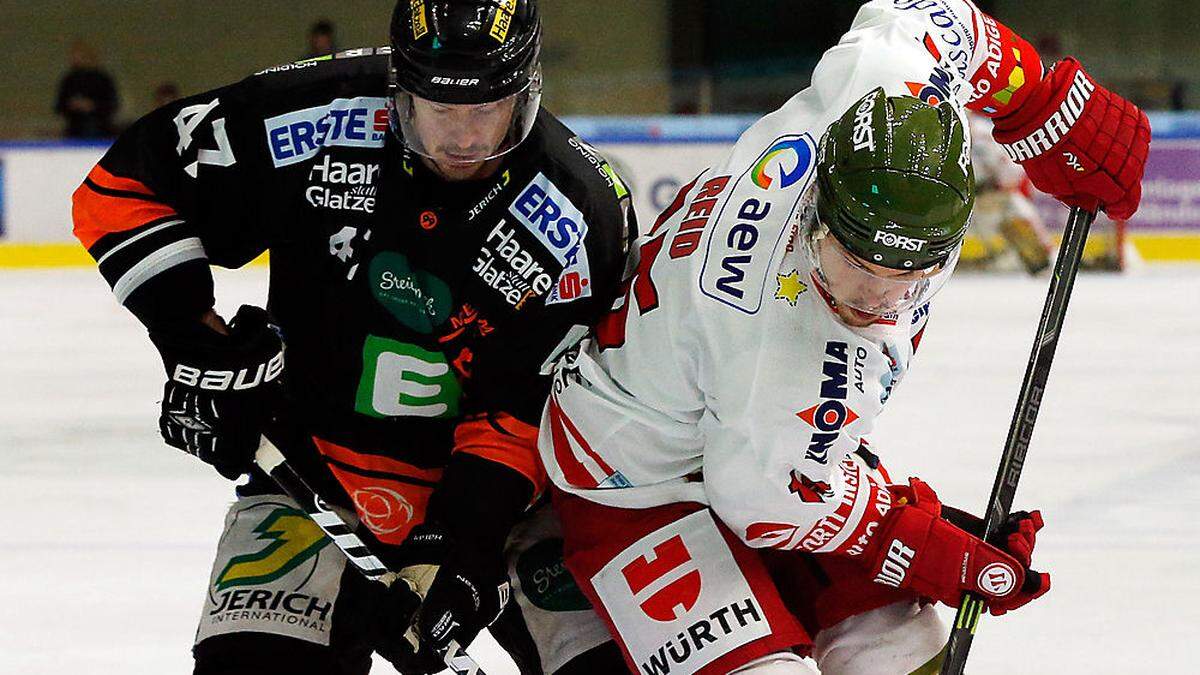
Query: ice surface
[(109, 535)]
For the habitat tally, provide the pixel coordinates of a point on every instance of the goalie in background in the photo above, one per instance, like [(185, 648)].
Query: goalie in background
[(1007, 231)]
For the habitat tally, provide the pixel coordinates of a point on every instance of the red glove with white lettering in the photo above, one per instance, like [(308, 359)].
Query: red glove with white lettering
[(1079, 142), (918, 549)]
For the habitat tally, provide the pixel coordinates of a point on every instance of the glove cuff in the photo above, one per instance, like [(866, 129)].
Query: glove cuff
[(1048, 115), (479, 525), (198, 357)]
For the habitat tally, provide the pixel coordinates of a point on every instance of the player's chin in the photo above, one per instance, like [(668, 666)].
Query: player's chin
[(459, 168)]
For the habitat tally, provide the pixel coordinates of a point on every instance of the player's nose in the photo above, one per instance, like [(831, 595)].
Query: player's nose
[(464, 136)]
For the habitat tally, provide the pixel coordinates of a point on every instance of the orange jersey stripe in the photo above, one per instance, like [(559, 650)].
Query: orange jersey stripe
[(100, 176), (96, 215), (375, 463), (516, 449)]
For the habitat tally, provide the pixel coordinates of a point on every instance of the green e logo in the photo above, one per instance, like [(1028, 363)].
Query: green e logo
[(403, 380)]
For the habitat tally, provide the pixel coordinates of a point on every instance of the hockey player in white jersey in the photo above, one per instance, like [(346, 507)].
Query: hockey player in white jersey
[(708, 443)]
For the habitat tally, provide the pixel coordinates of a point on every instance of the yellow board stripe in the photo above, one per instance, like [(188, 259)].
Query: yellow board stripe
[(33, 256), (1174, 247), (1151, 246), (44, 255)]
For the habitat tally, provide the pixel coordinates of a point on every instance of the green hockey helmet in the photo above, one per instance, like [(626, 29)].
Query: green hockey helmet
[(895, 183)]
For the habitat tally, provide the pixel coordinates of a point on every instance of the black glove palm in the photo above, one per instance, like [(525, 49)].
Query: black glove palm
[(221, 390)]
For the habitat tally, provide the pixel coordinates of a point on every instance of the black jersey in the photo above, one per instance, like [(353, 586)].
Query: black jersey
[(408, 305)]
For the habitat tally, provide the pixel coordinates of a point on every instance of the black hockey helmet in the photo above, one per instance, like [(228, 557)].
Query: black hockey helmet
[(471, 52), (465, 51)]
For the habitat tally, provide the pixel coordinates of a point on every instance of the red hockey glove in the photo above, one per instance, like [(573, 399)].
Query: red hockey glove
[(1079, 142), (920, 550), (1017, 536)]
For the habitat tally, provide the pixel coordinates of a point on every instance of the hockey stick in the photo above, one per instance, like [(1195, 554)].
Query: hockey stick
[(1021, 429), (272, 461)]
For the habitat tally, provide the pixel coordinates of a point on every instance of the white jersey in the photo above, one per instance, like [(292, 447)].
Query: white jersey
[(724, 378)]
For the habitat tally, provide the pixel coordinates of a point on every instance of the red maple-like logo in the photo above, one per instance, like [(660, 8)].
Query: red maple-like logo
[(812, 491), (679, 594)]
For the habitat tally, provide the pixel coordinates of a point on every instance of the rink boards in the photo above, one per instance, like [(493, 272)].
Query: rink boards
[(655, 156)]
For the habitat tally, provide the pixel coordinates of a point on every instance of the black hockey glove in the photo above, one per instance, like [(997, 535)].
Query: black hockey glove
[(221, 389), (463, 590)]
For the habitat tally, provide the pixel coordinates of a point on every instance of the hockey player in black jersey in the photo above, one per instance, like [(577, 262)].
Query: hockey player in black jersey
[(434, 235)]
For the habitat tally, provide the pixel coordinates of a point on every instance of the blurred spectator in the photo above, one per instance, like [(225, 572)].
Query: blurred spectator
[(1179, 95), (320, 39), (165, 93), (87, 96)]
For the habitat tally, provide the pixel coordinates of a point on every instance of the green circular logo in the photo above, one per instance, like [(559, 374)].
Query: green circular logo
[(415, 297), (546, 581)]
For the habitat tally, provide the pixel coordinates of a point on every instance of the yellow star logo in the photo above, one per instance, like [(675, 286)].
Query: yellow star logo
[(790, 287)]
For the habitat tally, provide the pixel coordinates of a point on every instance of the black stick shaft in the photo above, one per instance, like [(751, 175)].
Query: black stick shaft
[(272, 461), (1020, 431)]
